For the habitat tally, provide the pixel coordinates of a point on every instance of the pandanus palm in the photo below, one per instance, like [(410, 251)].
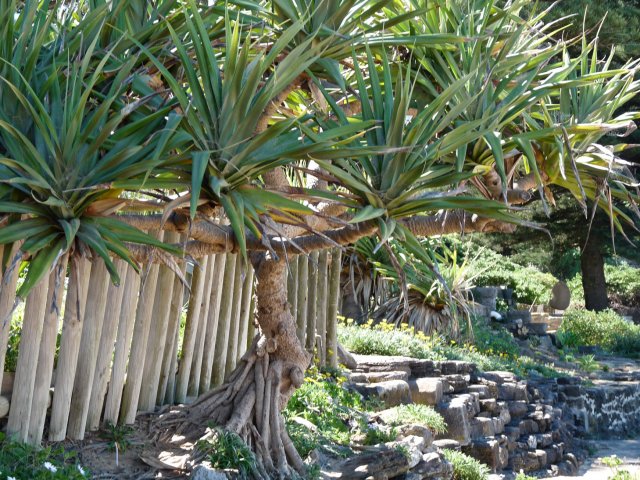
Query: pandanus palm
[(262, 129)]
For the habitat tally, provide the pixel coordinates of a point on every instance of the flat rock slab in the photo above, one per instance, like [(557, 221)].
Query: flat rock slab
[(376, 464), (391, 392), (413, 366), (426, 390)]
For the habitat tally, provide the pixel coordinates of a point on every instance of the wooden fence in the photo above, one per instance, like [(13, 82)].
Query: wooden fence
[(91, 352)]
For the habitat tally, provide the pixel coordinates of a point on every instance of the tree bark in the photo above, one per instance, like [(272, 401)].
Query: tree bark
[(250, 402), (593, 280)]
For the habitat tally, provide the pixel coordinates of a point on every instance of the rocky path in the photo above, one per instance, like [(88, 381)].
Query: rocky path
[(594, 469)]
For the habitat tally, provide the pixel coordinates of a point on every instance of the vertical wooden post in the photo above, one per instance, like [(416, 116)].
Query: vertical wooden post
[(234, 329), (292, 284), (196, 363), (44, 371), (251, 333), (74, 309), (212, 324), (246, 313), (303, 289), (321, 295), (20, 410), (7, 301), (332, 307), (126, 323), (157, 334), (312, 302), (131, 394), (88, 353), (173, 328), (106, 342), (191, 328), (222, 335)]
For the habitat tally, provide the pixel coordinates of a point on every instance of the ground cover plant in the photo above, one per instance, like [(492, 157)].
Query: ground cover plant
[(23, 462), (606, 330), (466, 467), (490, 350)]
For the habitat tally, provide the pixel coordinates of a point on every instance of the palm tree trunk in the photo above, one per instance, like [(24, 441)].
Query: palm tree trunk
[(250, 401), (593, 280)]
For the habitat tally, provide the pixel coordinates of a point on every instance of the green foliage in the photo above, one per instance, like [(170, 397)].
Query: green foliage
[(416, 414), (524, 476), (117, 436), (493, 269), (588, 363), (336, 413), (498, 353), (466, 467), (614, 462), (623, 285), (227, 450), (606, 330), (23, 462)]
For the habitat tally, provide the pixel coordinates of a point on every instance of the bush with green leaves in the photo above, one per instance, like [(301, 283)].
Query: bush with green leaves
[(225, 449), (466, 467), (605, 329), (623, 285), (416, 414), (489, 268), (23, 462), (498, 353), (335, 413)]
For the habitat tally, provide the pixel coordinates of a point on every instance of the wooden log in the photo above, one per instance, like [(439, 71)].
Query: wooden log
[(246, 312), (252, 322), (20, 410), (292, 284), (88, 353), (79, 279), (303, 290), (196, 362), (312, 306), (126, 324), (222, 335), (173, 329), (191, 328), (46, 355), (321, 297), (234, 329), (332, 307), (1, 258), (212, 323), (170, 391), (157, 334), (101, 376), (131, 393), (8, 301)]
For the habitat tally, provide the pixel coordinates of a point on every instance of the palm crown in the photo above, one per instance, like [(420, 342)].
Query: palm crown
[(377, 115)]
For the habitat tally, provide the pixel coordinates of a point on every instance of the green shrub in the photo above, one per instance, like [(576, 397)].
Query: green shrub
[(530, 285), (524, 476), (416, 414), (23, 462), (623, 286), (605, 329), (466, 467), (227, 450)]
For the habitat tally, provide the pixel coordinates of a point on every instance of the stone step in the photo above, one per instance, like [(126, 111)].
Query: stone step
[(427, 390), (390, 392), (457, 412), (375, 377)]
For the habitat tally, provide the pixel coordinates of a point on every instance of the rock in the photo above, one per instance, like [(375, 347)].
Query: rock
[(456, 383), (418, 431), (432, 465), (206, 472), (426, 390), (512, 391), (4, 406), (381, 363), (376, 377), (346, 358), (376, 463), (447, 444), (488, 452), (517, 408), (481, 390), (456, 367), (489, 405), (500, 377), (391, 392), (458, 413), (560, 296), (483, 427)]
